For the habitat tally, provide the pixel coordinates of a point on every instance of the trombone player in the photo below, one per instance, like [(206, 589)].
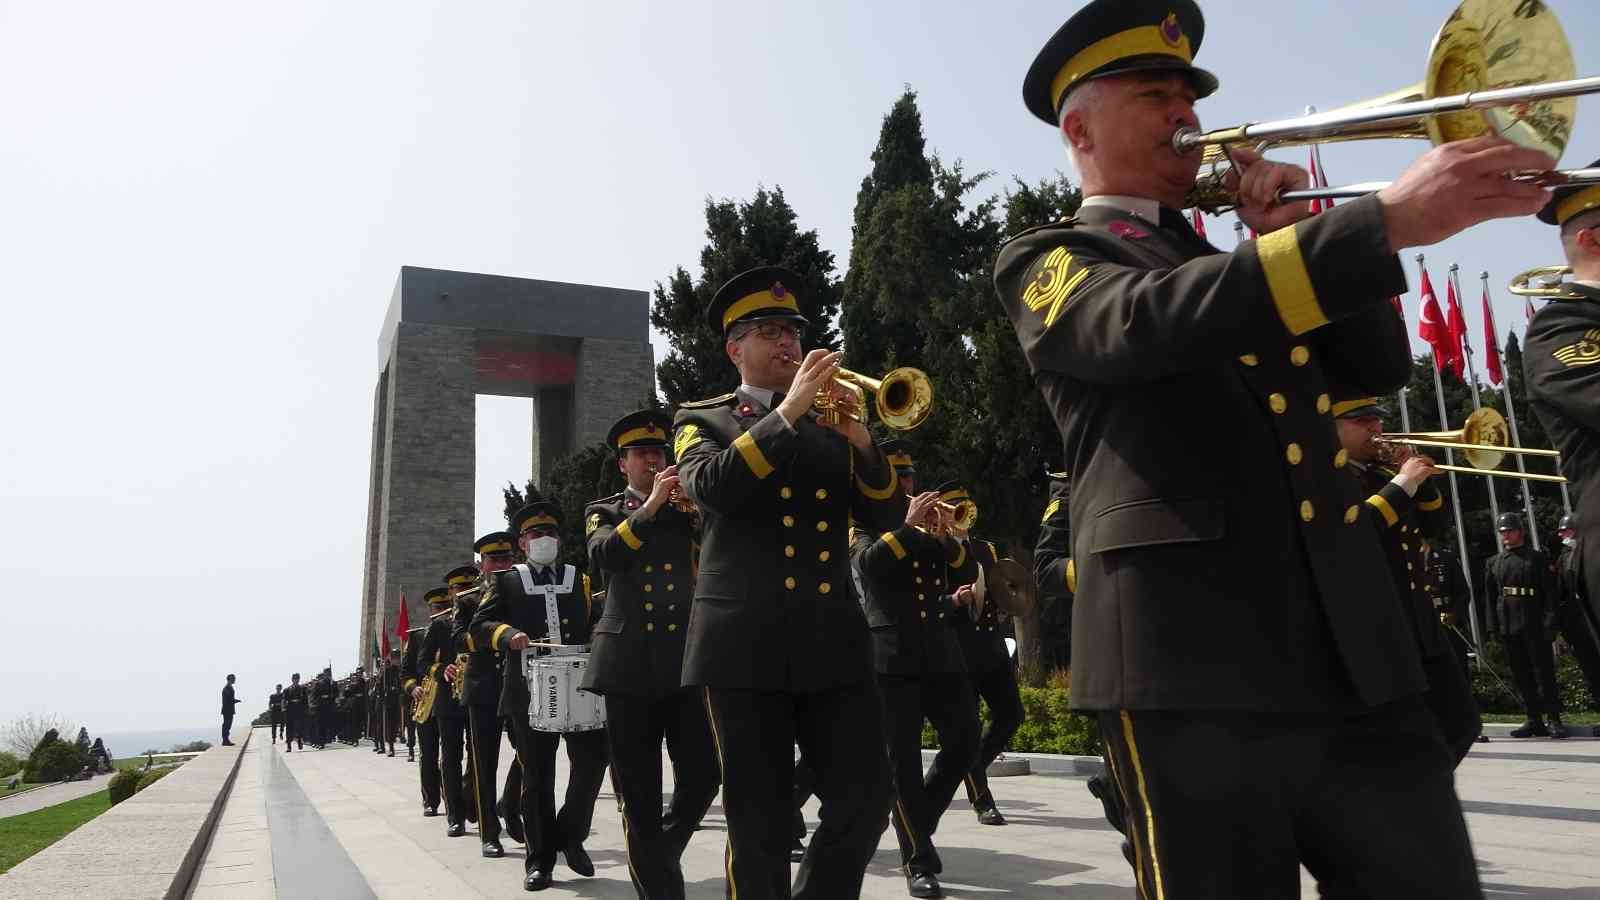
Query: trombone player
[(1231, 619), (1561, 364)]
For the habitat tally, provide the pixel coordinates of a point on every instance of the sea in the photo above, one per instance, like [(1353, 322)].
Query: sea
[(124, 744)]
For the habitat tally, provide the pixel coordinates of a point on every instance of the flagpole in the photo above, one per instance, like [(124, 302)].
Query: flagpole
[(1511, 417), (1455, 501), (1472, 382)]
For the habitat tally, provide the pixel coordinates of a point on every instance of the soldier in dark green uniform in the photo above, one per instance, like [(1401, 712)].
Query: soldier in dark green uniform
[(646, 547), (1052, 568), (1407, 509), (1574, 619), (296, 701), (479, 699), (275, 713), (1520, 584), (517, 609), (457, 580), (417, 667), (324, 708), (917, 582), (1561, 362), (775, 639), (449, 716), (989, 665), (1231, 618)]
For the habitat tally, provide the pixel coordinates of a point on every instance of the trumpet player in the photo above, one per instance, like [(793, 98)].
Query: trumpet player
[(776, 645), (644, 539), (479, 689), (424, 662), (913, 598), (1405, 507)]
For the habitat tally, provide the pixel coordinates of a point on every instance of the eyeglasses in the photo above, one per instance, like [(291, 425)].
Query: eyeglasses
[(774, 331)]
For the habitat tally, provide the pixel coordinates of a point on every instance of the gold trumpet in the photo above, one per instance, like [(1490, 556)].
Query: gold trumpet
[(903, 397), (1496, 67), (1484, 440), (1541, 281), (963, 515), (676, 498)]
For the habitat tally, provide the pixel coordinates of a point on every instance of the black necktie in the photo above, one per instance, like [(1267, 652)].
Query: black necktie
[(777, 399), (1178, 223)]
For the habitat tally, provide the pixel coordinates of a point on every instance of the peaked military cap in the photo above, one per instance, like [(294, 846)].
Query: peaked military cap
[(1358, 408), (898, 453), (1569, 201), (954, 492), (764, 292), (1508, 521), (494, 542), (437, 597), (645, 428), (461, 575), (1111, 37), (539, 512)]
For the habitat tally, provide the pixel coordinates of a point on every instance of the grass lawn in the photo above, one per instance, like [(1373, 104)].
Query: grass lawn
[(23, 836), (4, 791), (1569, 717)]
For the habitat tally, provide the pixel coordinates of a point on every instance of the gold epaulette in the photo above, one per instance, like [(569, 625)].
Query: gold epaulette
[(707, 404)]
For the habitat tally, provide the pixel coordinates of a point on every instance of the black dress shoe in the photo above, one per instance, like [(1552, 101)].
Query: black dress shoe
[(1531, 728), (456, 829), (429, 812), (1558, 731), (493, 850), (797, 853), (514, 828), (578, 860), (537, 880), (991, 816), (923, 884)]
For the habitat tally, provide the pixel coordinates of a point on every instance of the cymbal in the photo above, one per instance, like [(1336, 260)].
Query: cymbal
[(1011, 585)]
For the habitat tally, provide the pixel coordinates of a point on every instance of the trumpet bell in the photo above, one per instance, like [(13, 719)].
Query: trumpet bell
[(904, 398)]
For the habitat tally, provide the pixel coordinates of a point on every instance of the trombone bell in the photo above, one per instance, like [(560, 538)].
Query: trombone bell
[(1537, 282), (1484, 441)]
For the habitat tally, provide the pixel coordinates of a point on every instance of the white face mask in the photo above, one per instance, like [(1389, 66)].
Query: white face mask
[(542, 550)]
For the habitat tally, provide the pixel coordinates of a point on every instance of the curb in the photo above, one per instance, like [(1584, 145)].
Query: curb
[(183, 879), (1502, 731), (1048, 763), (36, 787)]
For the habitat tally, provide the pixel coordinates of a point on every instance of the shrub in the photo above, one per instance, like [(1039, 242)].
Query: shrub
[(123, 785), (9, 764), (151, 777), (53, 762), (1496, 692), (1048, 726), (192, 747)]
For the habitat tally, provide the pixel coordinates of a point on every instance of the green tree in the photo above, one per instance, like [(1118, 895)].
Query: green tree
[(740, 235)]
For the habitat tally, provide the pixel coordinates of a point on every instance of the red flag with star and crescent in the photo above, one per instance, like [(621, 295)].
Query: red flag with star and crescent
[(1491, 342), (1432, 328), (405, 621), (1458, 330)]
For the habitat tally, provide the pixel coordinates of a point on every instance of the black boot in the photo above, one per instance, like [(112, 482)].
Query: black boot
[(1534, 727)]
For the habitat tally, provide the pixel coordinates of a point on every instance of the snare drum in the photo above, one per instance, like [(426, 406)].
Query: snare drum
[(555, 703)]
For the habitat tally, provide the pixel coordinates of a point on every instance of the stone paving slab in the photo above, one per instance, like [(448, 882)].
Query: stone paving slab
[(1533, 808), (238, 862)]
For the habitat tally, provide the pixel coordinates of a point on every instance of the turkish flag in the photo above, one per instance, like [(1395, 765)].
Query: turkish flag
[(1198, 222), (1458, 331), (384, 656), (1491, 342), (1318, 180), (405, 621), (1432, 328)]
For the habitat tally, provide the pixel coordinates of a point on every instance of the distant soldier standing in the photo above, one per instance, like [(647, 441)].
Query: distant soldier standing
[(275, 712), (295, 700), (1520, 584)]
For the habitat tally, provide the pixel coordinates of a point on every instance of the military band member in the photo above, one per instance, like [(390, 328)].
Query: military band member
[(459, 584), (913, 598), (393, 709), (989, 664), (295, 702), (1406, 508), (776, 641), (1202, 562), (481, 691), (415, 670), (1574, 618), (325, 708), (1053, 570), (275, 713), (1561, 361), (646, 545), (513, 615), (450, 718), (1520, 584)]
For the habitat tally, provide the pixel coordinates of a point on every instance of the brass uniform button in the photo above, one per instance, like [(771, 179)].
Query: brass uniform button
[(924, 614), (1323, 403), (1307, 512), (789, 582), (1293, 453), (672, 626), (822, 494), (822, 526), (789, 551), (649, 626), (1300, 355), (649, 606), (915, 564), (788, 521), (566, 621), (1250, 359), (786, 493), (1352, 514), (649, 568), (672, 587), (1341, 459), (1278, 402), (919, 579), (823, 556), (824, 587), (921, 596), (667, 567), (648, 588), (672, 607)]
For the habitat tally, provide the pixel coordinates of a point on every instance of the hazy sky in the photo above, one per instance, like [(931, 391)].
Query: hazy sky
[(204, 207)]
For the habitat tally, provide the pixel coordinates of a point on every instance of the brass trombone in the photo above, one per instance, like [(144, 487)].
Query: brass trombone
[(1482, 440), (1496, 67), (1540, 281), (903, 398)]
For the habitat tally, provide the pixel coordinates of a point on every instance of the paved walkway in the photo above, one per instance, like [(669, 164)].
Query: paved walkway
[(1534, 810), (39, 798)]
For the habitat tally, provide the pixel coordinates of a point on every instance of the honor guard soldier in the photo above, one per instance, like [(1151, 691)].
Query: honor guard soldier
[(275, 712), (1520, 584), (1406, 509), (449, 718), (325, 708), (1574, 617), (393, 708), (521, 607), (481, 696), (457, 580), (1053, 570), (644, 540), (1200, 562), (989, 663), (296, 700), (912, 609), (417, 669), (1561, 362), (776, 642)]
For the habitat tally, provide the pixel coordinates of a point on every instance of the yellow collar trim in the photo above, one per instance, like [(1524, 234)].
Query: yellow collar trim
[(1141, 41)]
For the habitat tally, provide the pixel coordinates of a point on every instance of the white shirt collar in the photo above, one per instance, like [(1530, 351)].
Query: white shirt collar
[(760, 395), (1148, 210), (635, 494), (1593, 284)]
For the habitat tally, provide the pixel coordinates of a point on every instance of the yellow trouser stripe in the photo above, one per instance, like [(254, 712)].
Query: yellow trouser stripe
[(753, 457), (1133, 833), (1144, 800), (1289, 281), (716, 739)]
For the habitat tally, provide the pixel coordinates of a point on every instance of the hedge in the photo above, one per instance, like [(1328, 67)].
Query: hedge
[(1495, 689), (1048, 726), (123, 785), (151, 777)]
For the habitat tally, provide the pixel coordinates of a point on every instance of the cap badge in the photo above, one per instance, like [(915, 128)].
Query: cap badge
[(1171, 31), (778, 290)]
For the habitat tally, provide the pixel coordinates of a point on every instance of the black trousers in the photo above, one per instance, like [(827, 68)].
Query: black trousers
[(947, 701), (294, 728), (636, 726), (805, 784), (1228, 805), (1449, 700), (275, 722), (1581, 635), (998, 688), (484, 745), (452, 753), (840, 733), (546, 829), (227, 725), (428, 770), (1533, 667)]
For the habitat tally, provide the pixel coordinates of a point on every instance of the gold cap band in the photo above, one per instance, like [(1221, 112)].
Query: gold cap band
[(749, 303), (1141, 41)]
